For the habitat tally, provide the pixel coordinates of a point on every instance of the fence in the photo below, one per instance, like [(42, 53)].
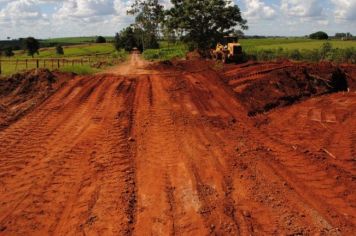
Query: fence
[(50, 63)]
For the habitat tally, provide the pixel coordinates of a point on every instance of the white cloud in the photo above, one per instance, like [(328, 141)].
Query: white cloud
[(84, 10), (21, 12), (52, 18), (257, 9), (302, 8), (310, 14), (323, 22), (345, 9)]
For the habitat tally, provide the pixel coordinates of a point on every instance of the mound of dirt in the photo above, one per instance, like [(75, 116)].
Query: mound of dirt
[(185, 65), (161, 65), (22, 92), (276, 85), (193, 55)]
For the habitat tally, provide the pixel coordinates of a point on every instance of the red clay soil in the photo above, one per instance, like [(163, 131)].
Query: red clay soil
[(20, 93), (261, 88), (171, 150)]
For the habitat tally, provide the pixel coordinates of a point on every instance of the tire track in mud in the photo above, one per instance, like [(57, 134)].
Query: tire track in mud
[(163, 154), (180, 157), (282, 203), (82, 168), (167, 202), (30, 147), (324, 180), (210, 162), (320, 175)]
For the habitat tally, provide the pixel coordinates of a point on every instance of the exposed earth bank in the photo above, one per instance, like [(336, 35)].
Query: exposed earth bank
[(187, 148)]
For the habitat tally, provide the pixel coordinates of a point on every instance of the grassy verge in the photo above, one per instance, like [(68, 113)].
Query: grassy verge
[(70, 51), (10, 67), (326, 53), (292, 43), (75, 40), (166, 52), (121, 55), (300, 49)]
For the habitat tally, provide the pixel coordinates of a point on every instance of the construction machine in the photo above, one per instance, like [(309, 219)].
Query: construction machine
[(229, 50)]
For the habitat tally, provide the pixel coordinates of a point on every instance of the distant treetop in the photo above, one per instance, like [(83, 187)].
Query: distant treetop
[(319, 35), (100, 39), (32, 46)]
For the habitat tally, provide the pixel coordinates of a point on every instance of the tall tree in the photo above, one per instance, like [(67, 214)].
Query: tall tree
[(128, 39), (100, 39), (319, 35), (204, 22), (118, 42), (32, 46), (8, 52), (149, 14), (59, 50)]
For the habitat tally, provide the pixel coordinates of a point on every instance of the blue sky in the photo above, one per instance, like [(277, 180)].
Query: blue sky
[(61, 18)]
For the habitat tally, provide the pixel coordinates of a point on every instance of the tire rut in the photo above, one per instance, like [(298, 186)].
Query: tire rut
[(65, 164)]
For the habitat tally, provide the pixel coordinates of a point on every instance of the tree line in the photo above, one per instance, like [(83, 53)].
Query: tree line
[(200, 24), (32, 46), (321, 35)]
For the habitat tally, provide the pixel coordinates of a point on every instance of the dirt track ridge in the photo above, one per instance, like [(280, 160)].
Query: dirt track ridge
[(145, 151)]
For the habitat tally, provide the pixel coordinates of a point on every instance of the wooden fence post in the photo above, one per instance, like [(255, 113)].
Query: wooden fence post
[(37, 63), (52, 63), (58, 63), (26, 64)]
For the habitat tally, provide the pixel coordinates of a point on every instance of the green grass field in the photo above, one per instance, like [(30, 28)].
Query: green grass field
[(292, 43), (300, 49), (97, 52), (272, 48), (260, 49), (75, 40), (9, 69), (81, 50)]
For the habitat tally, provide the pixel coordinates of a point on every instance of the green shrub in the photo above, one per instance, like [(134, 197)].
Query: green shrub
[(325, 50), (8, 52), (121, 54), (311, 55), (59, 50), (295, 55), (167, 53), (100, 39)]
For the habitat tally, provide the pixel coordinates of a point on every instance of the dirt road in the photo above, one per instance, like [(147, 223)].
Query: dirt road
[(154, 151)]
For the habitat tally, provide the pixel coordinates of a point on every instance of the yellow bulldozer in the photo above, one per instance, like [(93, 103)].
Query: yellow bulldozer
[(229, 50)]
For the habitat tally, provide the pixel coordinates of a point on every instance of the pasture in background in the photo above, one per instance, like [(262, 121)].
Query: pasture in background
[(83, 58)]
